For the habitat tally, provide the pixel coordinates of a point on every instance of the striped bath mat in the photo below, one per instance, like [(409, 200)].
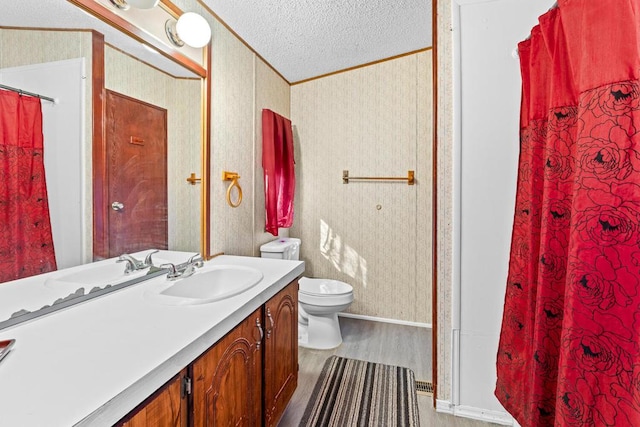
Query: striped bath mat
[(357, 393)]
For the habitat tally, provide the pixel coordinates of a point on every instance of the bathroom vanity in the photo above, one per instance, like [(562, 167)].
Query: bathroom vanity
[(128, 358)]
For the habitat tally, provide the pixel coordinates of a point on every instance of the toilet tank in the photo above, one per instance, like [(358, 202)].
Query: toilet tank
[(282, 248)]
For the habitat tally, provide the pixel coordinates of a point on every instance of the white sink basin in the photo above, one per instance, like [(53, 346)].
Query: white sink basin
[(211, 283)]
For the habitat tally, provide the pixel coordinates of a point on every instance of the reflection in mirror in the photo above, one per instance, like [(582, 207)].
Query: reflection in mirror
[(58, 63)]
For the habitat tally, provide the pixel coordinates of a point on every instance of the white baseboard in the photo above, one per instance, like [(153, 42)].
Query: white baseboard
[(385, 320), (444, 406), (498, 417)]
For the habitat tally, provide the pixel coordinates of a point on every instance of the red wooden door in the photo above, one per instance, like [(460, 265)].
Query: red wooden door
[(136, 140)]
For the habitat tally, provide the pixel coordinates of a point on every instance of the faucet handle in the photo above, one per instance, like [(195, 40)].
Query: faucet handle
[(147, 260), (173, 272), (196, 260), (131, 265)]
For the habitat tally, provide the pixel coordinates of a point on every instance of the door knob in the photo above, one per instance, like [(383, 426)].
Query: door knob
[(117, 206)]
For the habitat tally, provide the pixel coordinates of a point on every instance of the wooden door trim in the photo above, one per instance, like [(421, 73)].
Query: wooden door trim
[(130, 98), (205, 110), (99, 151)]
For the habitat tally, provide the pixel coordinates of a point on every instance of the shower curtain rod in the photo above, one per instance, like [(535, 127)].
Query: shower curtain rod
[(24, 92)]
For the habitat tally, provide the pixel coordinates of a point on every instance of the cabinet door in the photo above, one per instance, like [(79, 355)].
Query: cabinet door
[(280, 352), (166, 408), (227, 378)]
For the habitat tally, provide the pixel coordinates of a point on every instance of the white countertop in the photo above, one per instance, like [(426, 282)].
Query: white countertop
[(92, 363)]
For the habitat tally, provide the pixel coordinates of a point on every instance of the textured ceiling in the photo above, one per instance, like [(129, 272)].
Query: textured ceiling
[(308, 38), (301, 39)]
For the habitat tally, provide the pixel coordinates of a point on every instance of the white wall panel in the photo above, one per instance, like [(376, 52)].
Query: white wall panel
[(489, 122)]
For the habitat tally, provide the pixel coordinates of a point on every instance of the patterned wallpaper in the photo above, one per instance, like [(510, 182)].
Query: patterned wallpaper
[(25, 47), (133, 78), (242, 85), (445, 196), (373, 121), (272, 93), (232, 141), (185, 157)]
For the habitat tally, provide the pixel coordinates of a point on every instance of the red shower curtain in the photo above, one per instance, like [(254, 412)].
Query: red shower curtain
[(279, 173), (569, 347), (26, 244)]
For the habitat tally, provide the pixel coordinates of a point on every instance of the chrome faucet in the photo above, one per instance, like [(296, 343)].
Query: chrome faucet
[(173, 272), (183, 270), (194, 262), (147, 260), (134, 264)]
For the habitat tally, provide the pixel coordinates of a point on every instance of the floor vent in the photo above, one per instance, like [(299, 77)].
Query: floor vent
[(424, 387)]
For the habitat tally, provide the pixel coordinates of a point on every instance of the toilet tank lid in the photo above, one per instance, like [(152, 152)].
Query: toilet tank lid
[(280, 245)]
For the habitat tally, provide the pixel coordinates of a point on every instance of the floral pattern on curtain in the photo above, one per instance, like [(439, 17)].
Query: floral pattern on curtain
[(569, 346), (26, 243)]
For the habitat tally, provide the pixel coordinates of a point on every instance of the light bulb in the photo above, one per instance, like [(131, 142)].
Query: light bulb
[(193, 29)]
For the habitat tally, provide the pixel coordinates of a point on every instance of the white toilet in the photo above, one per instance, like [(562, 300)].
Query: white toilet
[(319, 300)]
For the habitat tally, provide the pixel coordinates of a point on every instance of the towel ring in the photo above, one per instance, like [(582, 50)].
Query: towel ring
[(234, 183), (233, 177)]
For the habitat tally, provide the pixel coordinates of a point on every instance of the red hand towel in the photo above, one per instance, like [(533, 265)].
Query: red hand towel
[(279, 172)]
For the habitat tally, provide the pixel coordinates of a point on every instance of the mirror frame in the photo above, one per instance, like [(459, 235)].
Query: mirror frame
[(99, 160)]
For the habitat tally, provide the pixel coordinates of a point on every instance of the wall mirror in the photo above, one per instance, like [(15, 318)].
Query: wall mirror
[(91, 67)]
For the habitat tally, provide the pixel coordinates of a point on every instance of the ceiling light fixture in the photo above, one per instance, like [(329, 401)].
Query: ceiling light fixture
[(191, 29), (139, 4)]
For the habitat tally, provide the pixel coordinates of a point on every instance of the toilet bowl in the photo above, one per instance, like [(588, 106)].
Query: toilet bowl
[(319, 300)]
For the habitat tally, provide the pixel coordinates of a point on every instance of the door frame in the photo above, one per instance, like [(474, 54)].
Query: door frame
[(99, 152)]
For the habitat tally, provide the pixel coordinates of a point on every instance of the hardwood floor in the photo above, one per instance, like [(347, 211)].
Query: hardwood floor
[(374, 342)]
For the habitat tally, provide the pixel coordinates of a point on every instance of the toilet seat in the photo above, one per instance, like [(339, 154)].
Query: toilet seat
[(322, 287), (324, 292)]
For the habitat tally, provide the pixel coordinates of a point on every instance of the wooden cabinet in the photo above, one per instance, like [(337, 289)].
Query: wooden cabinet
[(227, 379), (165, 408), (280, 352), (245, 379), (250, 375)]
